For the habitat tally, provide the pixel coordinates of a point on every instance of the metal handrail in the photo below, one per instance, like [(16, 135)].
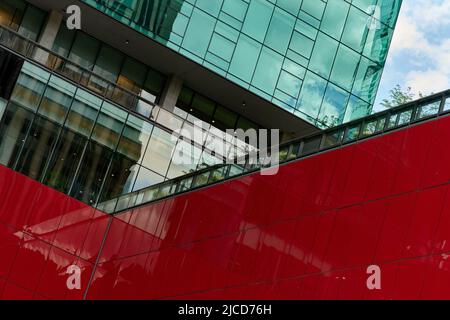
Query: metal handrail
[(31, 51), (36, 53), (352, 132)]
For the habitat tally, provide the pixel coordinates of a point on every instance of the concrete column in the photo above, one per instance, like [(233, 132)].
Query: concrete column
[(171, 93), (48, 35)]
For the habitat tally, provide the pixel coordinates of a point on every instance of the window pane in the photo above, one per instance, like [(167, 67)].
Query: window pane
[(280, 30), (243, 63), (84, 50), (200, 23), (159, 153), (378, 40), (323, 55), (90, 179), (32, 22), (11, 12), (185, 97), (57, 99), (108, 63), (154, 84), (447, 104), (334, 18), (310, 97), (109, 125), (267, 70), (333, 106), (146, 178), (356, 109), (120, 177), (83, 113), (312, 145), (63, 41), (380, 124), (37, 148), (3, 104), (405, 117), (13, 130), (369, 128), (134, 140), (333, 138), (66, 156), (224, 118), (133, 75), (428, 109), (345, 67), (207, 160), (392, 121), (168, 120), (352, 133), (203, 107), (355, 31), (184, 160), (201, 180), (367, 77), (30, 86), (257, 19)]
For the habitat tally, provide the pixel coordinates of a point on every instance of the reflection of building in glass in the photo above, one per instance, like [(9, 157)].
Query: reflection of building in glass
[(285, 52), (154, 16), (82, 145)]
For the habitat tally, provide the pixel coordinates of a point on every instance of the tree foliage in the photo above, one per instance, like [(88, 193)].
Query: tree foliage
[(398, 96)]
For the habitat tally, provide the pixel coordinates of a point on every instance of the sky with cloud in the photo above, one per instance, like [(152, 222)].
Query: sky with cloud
[(420, 52)]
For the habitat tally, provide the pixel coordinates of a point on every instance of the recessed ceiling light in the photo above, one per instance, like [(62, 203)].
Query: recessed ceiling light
[(127, 42)]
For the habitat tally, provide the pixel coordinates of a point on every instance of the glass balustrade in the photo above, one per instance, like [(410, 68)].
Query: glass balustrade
[(394, 119)]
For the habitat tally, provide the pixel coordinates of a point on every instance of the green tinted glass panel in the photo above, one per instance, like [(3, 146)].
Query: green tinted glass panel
[(312, 94), (323, 55), (333, 21), (345, 67), (333, 110), (356, 28)]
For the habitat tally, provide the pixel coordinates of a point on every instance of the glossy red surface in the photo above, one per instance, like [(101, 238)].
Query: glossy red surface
[(309, 232)]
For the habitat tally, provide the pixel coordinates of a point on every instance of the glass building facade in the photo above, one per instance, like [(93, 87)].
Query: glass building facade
[(79, 143), (321, 60), (110, 64), (22, 17)]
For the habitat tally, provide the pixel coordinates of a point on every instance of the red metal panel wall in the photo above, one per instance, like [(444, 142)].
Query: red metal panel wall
[(309, 232), (42, 232)]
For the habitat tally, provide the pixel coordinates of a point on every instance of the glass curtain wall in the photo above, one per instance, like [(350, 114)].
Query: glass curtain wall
[(22, 17), (290, 52), (110, 64), (82, 145), (129, 73), (196, 107)]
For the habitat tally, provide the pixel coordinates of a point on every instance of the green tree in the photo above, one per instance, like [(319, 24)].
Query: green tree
[(398, 96)]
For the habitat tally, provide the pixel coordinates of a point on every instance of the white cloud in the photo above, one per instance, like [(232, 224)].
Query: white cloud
[(429, 13), (427, 81), (423, 35)]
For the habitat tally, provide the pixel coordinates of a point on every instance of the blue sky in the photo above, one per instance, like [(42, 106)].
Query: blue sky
[(420, 52)]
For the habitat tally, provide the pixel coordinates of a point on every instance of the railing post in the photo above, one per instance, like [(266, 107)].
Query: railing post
[(414, 113), (442, 105)]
